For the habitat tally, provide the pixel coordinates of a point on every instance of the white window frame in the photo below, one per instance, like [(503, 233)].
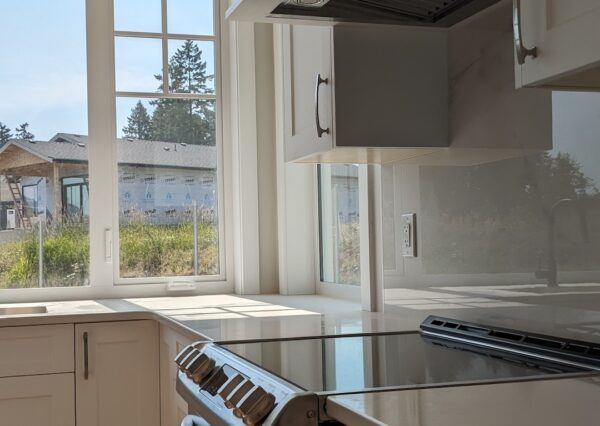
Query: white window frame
[(165, 36), (369, 293), (104, 281)]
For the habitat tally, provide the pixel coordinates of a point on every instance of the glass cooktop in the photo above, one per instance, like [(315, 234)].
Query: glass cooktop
[(344, 364)]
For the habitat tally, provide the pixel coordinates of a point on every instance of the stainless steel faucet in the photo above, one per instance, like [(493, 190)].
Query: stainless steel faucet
[(551, 274)]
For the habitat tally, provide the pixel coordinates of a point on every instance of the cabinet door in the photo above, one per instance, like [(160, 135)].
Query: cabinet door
[(173, 407), (306, 55), (47, 400), (40, 349), (566, 35), (391, 87), (122, 384)]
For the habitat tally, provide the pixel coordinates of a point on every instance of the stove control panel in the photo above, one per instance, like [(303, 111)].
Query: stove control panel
[(225, 389)]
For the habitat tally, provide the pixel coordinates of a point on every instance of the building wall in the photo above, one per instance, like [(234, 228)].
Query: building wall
[(155, 195), (163, 195)]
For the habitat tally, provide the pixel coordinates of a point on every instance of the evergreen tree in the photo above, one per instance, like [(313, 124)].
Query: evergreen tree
[(185, 120), (139, 123), (5, 134), (22, 132)]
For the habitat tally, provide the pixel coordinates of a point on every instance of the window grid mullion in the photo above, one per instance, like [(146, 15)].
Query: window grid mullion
[(165, 48), (159, 95), (139, 34)]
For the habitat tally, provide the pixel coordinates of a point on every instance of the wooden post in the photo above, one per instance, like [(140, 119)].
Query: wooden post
[(56, 192)]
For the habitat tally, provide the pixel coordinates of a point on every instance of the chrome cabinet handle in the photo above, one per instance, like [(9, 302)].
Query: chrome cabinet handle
[(86, 366), (320, 130), (522, 51)]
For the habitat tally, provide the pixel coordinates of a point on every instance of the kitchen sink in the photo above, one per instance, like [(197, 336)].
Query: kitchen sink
[(23, 310)]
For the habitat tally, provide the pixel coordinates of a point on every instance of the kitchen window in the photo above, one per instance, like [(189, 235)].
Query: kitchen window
[(339, 223), (43, 113), (168, 147), (120, 152)]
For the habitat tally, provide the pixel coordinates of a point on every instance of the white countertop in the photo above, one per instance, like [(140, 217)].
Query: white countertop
[(229, 318), (223, 317), (562, 402)]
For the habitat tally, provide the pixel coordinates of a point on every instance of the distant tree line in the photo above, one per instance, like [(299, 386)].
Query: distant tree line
[(190, 121), (21, 132)]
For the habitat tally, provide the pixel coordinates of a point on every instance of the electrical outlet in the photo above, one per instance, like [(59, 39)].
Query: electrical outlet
[(409, 235)]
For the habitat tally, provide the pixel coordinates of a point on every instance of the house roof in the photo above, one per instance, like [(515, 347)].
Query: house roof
[(65, 147)]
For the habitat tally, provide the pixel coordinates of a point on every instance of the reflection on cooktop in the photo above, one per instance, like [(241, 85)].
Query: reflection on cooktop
[(353, 363)]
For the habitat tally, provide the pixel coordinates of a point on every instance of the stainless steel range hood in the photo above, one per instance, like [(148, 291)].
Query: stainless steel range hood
[(433, 13)]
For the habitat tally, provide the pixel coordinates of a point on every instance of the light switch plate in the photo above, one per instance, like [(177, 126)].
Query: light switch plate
[(409, 235)]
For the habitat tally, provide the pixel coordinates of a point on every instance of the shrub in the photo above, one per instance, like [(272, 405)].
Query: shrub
[(146, 250)]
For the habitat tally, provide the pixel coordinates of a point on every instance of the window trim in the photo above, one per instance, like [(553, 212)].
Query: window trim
[(103, 176), (336, 290), (370, 291), (220, 82)]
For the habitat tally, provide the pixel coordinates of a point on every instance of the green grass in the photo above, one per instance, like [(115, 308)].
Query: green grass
[(145, 250), (167, 250)]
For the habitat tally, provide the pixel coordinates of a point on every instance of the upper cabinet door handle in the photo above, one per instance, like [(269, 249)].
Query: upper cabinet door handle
[(522, 51), (320, 130)]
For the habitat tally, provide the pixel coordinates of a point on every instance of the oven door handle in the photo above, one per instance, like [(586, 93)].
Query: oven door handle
[(194, 421)]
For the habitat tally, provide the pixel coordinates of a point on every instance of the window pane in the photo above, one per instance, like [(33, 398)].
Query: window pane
[(138, 64), (339, 223), (43, 117), (190, 17), (138, 15), (191, 66), (167, 188)]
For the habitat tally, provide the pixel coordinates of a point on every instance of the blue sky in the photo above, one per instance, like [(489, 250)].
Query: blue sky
[(43, 59), (43, 66)]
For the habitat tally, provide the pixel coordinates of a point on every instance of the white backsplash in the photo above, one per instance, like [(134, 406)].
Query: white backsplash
[(483, 232)]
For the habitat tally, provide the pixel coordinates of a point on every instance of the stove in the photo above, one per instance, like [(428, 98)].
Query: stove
[(287, 382)]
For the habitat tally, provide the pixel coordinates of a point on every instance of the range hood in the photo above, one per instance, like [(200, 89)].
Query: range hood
[(432, 13)]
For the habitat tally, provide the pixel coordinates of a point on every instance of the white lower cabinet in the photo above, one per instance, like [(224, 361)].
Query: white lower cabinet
[(40, 349), (117, 374), (47, 400), (173, 407)]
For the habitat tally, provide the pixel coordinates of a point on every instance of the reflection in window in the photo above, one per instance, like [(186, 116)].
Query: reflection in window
[(30, 199), (339, 223)]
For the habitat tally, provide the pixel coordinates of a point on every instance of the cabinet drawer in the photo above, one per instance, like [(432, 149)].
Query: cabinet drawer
[(47, 400), (36, 350)]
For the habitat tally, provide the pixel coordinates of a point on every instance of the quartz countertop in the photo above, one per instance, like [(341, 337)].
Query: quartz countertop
[(572, 401), (223, 318)]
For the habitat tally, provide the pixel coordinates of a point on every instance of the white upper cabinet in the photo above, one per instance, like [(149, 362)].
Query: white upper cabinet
[(558, 41), (308, 100), (363, 94)]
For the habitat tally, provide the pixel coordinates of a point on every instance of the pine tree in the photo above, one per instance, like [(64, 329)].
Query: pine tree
[(5, 134), (139, 123), (22, 132), (185, 120)]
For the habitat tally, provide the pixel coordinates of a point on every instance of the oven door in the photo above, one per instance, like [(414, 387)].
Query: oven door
[(194, 421)]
